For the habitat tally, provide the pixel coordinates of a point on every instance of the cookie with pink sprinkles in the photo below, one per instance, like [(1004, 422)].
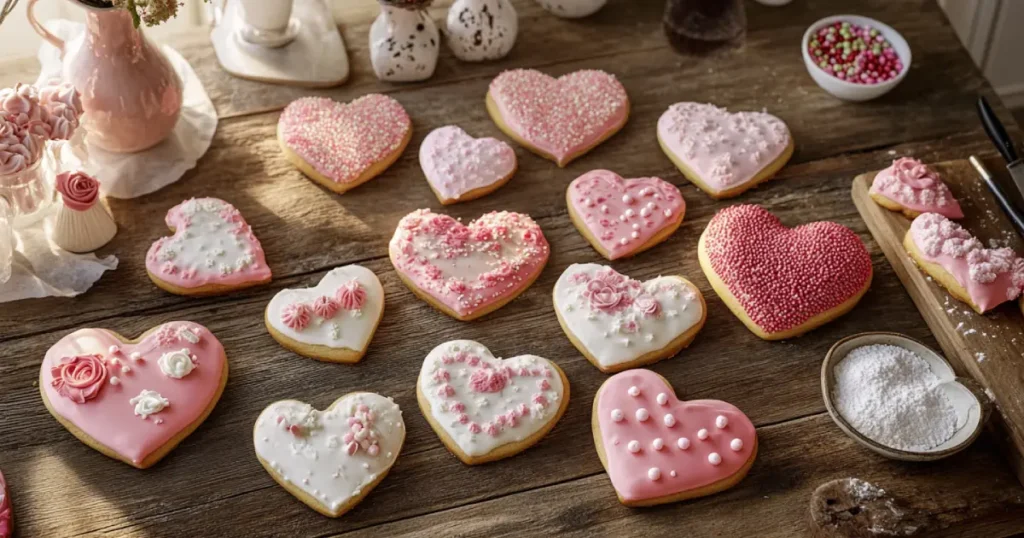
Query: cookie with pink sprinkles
[(343, 145), (561, 118), (467, 271), (782, 282)]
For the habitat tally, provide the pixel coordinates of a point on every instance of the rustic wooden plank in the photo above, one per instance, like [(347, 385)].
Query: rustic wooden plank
[(988, 347), (306, 228)]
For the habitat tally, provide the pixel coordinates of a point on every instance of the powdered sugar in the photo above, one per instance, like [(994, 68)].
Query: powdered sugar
[(891, 395)]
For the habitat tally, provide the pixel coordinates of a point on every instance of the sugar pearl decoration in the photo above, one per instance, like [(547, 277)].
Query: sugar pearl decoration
[(642, 414), (136, 356), (736, 444), (669, 420), (658, 444), (721, 421), (654, 473), (672, 474), (633, 446), (634, 391), (125, 369), (617, 415), (702, 434), (114, 350), (114, 380), (683, 443), (627, 199), (714, 458)]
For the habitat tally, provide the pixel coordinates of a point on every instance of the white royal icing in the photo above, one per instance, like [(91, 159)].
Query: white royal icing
[(527, 387), (208, 245), (351, 329), (149, 402), (176, 364), (624, 334), (307, 449), (481, 30)]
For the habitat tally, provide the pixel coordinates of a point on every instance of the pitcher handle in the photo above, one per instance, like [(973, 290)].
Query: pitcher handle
[(41, 30)]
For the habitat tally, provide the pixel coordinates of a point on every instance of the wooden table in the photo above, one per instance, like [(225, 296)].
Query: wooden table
[(212, 484)]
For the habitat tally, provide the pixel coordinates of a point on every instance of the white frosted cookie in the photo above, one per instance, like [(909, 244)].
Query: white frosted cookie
[(485, 409), (619, 323), (332, 321), (330, 459)]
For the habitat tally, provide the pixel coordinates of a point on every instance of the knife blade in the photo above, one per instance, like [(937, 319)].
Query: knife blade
[(997, 133), (1015, 216)]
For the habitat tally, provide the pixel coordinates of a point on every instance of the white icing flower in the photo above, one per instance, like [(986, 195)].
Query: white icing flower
[(177, 364), (149, 402)]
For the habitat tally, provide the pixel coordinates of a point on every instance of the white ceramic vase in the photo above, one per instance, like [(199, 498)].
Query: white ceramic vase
[(404, 44), (481, 30)]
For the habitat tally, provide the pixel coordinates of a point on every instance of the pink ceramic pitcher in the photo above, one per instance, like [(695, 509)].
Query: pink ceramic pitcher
[(130, 93)]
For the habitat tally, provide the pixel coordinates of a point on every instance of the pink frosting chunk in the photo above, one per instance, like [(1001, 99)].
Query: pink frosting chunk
[(916, 186), (990, 276)]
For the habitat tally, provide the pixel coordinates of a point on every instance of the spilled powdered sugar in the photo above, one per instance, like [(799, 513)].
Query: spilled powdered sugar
[(890, 395)]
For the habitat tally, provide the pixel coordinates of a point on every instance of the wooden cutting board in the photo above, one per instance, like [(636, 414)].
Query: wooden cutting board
[(988, 347)]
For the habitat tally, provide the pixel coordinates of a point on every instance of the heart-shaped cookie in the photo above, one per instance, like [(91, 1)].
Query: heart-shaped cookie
[(213, 250), (724, 153), (558, 118), (782, 282), (658, 449), (6, 513), (621, 217), (460, 168), (342, 146), (485, 409), (468, 271), (330, 459), (134, 400), (619, 323), (332, 321)]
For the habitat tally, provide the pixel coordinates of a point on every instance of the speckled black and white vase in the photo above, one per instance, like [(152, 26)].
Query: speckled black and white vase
[(404, 41), (481, 30), (572, 9)]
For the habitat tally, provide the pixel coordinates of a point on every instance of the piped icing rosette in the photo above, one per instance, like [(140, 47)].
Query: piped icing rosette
[(989, 276), (29, 117), (917, 187)]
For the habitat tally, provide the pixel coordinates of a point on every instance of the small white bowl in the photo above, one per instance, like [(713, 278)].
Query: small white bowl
[(849, 91), (966, 396)]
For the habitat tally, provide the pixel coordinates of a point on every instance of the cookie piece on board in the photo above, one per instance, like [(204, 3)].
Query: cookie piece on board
[(853, 508)]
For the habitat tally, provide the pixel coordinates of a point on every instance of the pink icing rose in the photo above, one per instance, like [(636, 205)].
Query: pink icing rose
[(603, 296), (351, 295), (647, 305), (295, 316), (79, 378), (914, 173), (78, 189)]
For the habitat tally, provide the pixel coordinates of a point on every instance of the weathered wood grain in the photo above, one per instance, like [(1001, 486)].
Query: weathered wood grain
[(988, 347)]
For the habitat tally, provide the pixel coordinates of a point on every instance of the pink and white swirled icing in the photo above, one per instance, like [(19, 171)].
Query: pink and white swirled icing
[(30, 117), (990, 276), (916, 186)]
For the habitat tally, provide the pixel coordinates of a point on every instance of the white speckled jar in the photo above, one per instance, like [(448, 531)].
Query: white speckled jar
[(404, 42), (481, 30)]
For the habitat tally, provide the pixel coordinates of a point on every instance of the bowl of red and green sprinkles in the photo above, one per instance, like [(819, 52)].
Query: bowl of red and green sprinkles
[(855, 58)]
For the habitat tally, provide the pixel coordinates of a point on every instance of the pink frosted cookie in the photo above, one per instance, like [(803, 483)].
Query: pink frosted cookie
[(621, 217), (724, 153), (981, 277), (914, 188), (330, 459), (558, 118), (342, 146), (484, 408), (460, 168), (134, 400), (782, 282), (6, 512), (213, 250), (468, 271), (658, 449)]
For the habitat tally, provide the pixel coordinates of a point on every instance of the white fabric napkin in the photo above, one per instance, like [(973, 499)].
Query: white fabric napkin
[(129, 175)]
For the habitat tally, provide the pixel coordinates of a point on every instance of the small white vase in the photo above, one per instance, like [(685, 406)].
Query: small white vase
[(404, 44), (83, 231), (480, 30)]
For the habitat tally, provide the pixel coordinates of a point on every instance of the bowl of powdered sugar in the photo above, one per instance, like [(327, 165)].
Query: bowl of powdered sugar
[(900, 398)]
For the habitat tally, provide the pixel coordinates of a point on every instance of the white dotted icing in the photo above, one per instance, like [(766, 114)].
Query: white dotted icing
[(617, 415), (654, 473), (683, 443), (736, 444), (634, 391), (714, 458), (658, 444), (149, 402), (702, 434), (633, 446), (662, 398), (721, 421), (669, 420), (642, 414)]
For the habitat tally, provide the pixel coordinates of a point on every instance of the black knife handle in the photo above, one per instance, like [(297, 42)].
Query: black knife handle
[(996, 131)]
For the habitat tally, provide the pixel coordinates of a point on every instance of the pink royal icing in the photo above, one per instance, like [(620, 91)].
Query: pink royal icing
[(456, 163), (6, 515), (296, 316), (341, 141), (468, 268), (108, 415), (725, 149), (656, 445), (78, 190), (212, 244), (990, 276), (351, 295), (79, 378), (560, 116), (623, 214), (916, 186), (783, 277)]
